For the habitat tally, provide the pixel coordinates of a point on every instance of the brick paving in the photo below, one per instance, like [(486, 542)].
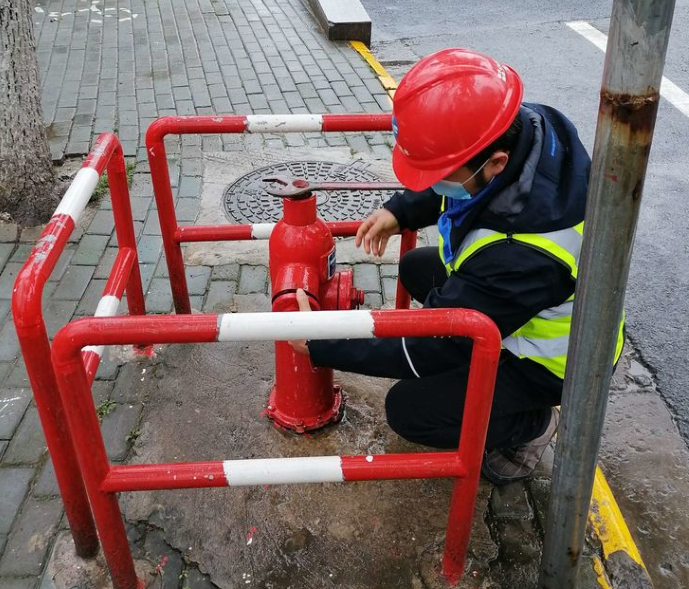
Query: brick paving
[(116, 66)]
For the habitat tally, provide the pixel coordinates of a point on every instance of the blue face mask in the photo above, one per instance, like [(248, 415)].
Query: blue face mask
[(455, 190)]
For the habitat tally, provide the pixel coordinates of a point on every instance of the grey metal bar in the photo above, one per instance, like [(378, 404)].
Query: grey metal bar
[(637, 43)]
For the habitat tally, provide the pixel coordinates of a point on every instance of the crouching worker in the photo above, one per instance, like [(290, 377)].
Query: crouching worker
[(506, 184)]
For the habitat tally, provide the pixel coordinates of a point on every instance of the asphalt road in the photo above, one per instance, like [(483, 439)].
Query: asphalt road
[(563, 69)]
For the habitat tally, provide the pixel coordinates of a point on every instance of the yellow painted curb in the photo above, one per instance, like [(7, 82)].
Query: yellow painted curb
[(387, 81), (607, 521), (604, 514), (601, 577)]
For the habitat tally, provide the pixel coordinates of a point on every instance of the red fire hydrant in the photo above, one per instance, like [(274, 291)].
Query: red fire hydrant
[(302, 255)]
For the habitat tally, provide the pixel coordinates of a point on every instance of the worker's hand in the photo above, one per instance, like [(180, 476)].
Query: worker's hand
[(299, 345), (376, 230)]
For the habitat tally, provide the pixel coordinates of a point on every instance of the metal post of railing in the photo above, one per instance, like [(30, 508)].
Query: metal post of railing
[(638, 39)]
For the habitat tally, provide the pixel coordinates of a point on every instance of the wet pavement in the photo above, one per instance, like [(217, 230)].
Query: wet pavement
[(207, 402)]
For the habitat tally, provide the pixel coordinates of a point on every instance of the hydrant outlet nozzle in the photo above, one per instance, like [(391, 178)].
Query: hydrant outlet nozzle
[(358, 297)]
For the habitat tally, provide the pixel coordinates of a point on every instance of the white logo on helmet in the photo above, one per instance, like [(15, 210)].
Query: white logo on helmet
[(501, 73)]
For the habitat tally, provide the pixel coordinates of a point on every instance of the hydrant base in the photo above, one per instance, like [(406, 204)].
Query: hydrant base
[(299, 425)]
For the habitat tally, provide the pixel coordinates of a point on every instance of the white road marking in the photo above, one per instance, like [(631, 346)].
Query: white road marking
[(668, 90)]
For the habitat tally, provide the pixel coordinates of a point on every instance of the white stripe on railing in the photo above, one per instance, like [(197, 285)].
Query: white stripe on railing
[(295, 325), (107, 307), (277, 471), (78, 194), (283, 123), (262, 230)]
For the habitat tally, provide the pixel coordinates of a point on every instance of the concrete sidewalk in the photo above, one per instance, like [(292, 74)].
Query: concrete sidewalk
[(117, 66)]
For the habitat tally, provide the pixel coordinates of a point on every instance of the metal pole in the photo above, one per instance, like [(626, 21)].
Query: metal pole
[(639, 32)]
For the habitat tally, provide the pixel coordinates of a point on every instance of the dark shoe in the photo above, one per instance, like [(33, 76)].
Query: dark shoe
[(508, 465)]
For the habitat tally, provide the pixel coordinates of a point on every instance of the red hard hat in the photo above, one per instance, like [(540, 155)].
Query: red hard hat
[(450, 106)]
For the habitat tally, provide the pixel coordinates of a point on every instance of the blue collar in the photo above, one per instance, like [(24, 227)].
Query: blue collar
[(456, 212)]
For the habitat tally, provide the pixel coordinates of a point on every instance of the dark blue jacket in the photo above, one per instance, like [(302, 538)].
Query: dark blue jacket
[(543, 188)]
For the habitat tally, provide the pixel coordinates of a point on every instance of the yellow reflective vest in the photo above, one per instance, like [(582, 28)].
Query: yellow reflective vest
[(545, 338)]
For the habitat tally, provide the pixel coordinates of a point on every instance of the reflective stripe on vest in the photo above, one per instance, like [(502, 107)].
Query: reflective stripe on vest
[(545, 338)]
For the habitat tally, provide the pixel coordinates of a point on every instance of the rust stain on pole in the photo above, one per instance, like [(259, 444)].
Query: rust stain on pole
[(636, 112)]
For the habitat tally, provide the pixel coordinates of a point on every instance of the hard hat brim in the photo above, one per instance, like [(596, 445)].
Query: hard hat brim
[(415, 178)]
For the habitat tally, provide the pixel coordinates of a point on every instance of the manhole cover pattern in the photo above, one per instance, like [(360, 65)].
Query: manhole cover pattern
[(246, 201)]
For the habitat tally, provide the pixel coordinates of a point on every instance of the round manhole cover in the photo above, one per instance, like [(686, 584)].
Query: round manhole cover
[(246, 201)]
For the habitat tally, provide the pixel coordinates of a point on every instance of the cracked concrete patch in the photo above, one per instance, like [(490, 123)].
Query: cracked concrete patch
[(207, 405), (65, 570)]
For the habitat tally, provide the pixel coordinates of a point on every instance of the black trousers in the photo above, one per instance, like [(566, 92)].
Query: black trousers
[(428, 410)]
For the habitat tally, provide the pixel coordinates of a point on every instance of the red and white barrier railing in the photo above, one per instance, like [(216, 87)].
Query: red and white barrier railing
[(30, 324), (104, 480), (174, 235)]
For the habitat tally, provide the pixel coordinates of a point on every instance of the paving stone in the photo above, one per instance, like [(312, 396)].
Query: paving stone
[(56, 314), (17, 379), (510, 502), (5, 252), (89, 302), (62, 263), (9, 344), (9, 232), (28, 444), (137, 227), (90, 250), (27, 546), (46, 486), (105, 265), (74, 283), (152, 225), (372, 300), (389, 289), (189, 187), (141, 188), (7, 278), (220, 296), (253, 279), (149, 248), (31, 234), (14, 484), (127, 389), (187, 210), (225, 272), (358, 143), (5, 369), (108, 367), (197, 279), (366, 277), (389, 270), (117, 427), (192, 167), (101, 391), (103, 223), (159, 296)]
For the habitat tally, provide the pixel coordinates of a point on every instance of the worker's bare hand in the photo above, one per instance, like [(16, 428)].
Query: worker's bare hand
[(299, 345), (376, 230)]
